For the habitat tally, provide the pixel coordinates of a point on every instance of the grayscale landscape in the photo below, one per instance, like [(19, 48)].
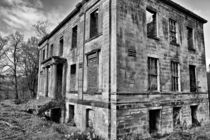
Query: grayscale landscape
[(104, 70)]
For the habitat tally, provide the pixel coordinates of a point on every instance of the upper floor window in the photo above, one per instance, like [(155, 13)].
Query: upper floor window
[(152, 74), (47, 56), (74, 37), (43, 54), (193, 87), (151, 23), (190, 38), (94, 23), (61, 47), (175, 76), (73, 77), (173, 33), (51, 50)]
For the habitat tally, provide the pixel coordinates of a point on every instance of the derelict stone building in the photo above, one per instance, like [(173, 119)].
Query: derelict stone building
[(126, 67)]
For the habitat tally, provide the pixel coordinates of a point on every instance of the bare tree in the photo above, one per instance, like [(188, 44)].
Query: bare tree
[(14, 56), (3, 64), (41, 28), (30, 61)]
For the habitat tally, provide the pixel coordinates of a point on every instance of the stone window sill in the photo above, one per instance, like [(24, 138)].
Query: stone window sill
[(175, 44), (154, 37), (73, 92), (155, 92), (192, 49), (93, 93), (73, 48), (94, 37)]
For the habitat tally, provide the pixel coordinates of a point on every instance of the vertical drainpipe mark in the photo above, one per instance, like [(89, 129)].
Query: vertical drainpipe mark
[(83, 53), (110, 37)]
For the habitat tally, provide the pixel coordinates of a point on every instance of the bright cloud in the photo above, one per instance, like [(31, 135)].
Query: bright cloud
[(21, 15)]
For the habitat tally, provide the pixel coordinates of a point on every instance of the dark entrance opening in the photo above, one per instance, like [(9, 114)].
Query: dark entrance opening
[(56, 115), (71, 115), (176, 117), (59, 80), (89, 118), (47, 86), (194, 116), (154, 121)]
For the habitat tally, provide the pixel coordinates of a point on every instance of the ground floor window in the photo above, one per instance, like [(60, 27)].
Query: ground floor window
[(71, 114), (154, 121), (89, 118), (194, 115), (176, 116)]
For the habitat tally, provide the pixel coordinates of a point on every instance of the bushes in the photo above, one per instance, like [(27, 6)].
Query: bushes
[(87, 135)]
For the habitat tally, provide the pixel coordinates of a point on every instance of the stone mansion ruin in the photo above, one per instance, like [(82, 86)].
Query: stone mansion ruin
[(126, 67)]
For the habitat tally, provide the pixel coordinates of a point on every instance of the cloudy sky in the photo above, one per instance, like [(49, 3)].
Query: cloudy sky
[(22, 14)]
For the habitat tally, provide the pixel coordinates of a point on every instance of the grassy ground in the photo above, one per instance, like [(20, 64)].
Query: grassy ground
[(16, 124)]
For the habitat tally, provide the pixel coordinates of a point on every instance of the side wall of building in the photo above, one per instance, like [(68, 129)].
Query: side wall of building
[(135, 103)]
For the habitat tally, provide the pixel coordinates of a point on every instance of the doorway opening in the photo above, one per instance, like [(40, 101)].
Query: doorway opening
[(154, 121), (56, 115), (59, 80), (195, 121)]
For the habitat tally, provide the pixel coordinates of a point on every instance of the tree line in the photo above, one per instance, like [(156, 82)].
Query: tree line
[(19, 61)]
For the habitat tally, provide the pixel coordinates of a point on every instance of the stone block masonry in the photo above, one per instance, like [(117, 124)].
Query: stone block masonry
[(140, 71)]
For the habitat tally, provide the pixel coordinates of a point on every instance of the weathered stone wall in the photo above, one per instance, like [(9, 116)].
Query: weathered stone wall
[(100, 118), (131, 33), (122, 103), (133, 115), (134, 99)]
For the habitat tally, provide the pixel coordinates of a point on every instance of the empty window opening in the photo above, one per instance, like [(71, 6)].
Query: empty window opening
[(194, 116), (93, 73), (74, 37), (73, 77), (176, 117), (94, 25), (154, 121), (190, 38), (61, 47), (192, 79), (56, 115), (152, 74), (172, 29), (151, 23), (89, 118), (71, 115), (175, 76), (51, 50), (43, 54), (47, 56)]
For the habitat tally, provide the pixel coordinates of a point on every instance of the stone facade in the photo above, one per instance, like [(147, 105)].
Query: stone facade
[(118, 79)]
